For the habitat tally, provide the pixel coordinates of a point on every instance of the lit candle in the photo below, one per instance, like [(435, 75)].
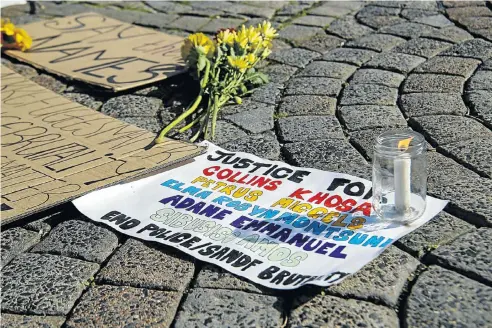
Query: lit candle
[(402, 183)]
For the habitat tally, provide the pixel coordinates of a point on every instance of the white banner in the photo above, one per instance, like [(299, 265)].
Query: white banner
[(277, 225)]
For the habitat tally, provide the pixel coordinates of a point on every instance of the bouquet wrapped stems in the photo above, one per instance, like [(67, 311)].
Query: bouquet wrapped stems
[(225, 69)]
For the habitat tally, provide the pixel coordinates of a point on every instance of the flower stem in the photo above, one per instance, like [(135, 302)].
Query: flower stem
[(188, 112), (196, 120)]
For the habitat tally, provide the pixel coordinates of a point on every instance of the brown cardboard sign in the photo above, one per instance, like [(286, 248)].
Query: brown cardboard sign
[(54, 150), (102, 51)]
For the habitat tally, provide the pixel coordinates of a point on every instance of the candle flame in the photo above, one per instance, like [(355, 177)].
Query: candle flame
[(404, 144)]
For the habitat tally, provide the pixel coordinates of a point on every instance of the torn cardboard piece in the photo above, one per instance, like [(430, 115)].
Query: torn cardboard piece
[(103, 51), (54, 150)]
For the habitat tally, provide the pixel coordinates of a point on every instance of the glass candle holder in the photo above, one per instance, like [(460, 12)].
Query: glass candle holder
[(399, 176)]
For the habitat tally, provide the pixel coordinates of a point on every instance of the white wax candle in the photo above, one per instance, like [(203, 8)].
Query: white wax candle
[(402, 183)]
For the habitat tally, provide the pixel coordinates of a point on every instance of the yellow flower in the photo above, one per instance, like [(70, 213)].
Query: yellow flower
[(7, 27), (267, 31), (22, 39), (226, 36), (266, 52), (200, 42), (247, 36), (240, 63), (251, 59)]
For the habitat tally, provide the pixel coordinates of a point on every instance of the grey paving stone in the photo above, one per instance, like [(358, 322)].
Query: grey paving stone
[(130, 105), (151, 124), (369, 94), (434, 20), (24, 70), (449, 65), (212, 276), (363, 117), (476, 23), (247, 10), (378, 22), (263, 145), (475, 153), (293, 9), (468, 254), (115, 306), (50, 83), (312, 20), (322, 43), (298, 33), (84, 99), (442, 129), (378, 11), (278, 45), (321, 86), (377, 76), (331, 311), (377, 42), (226, 131), (147, 266), (329, 154), (307, 105), (439, 83), (424, 5), (408, 30), (443, 298), (79, 239), (44, 284), (348, 28), (485, 33), (422, 47), (301, 128), (247, 105), (16, 320), (453, 4), (464, 188), (413, 14), (328, 69), (481, 80), (227, 308), (382, 280), (294, 57), (452, 34), (268, 94), (468, 11), (15, 241), (279, 73), (423, 104), (439, 231), (487, 65), (328, 9), (481, 104), (255, 120), (402, 63), (190, 23), (169, 6), (350, 56), (365, 139), (219, 23), (476, 48)]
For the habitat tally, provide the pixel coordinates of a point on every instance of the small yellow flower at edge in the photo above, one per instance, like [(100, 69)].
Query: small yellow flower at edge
[(7, 27), (267, 30), (251, 59), (22, 39), (200, 42)]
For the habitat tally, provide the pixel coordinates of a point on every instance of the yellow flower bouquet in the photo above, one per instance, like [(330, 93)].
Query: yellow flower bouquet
[(14, 37), (226, 70)]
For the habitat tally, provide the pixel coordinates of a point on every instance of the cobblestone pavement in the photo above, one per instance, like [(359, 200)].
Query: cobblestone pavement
[(341, 73)]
